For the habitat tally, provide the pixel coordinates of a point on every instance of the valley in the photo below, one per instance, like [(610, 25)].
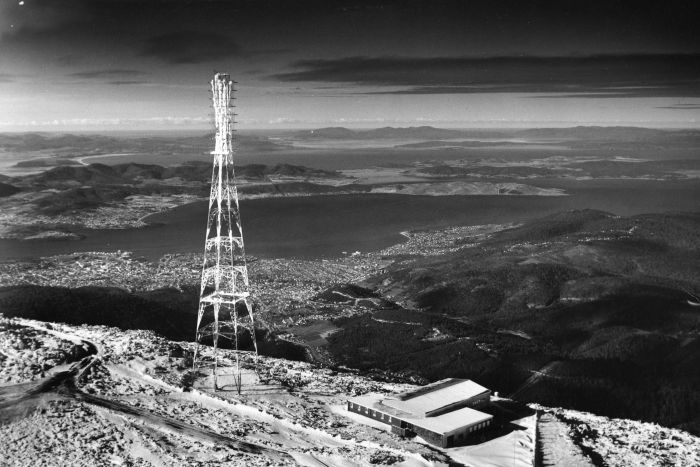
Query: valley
[(561, 272)]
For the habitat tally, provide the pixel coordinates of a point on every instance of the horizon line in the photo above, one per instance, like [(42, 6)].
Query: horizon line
[(494, 126)]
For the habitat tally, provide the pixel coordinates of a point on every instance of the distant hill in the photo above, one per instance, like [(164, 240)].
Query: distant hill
[(555, 225), (134, 171), (609, 133), (657, 248), (42, 141), (434, 137), (420, 132), (291, 188), (486, 171), (46, 162), (78, 199), (460, 144), (326, 133), (130, 173), (261, 171), (85, 174), (168, 310), (7, 189), (600, 305), (69, 145), (91, 186)]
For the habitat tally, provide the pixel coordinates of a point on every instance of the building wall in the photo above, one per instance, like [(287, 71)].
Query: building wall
[(373, 414), (430, 436), (403, 428), (459, 436), (398, 426)]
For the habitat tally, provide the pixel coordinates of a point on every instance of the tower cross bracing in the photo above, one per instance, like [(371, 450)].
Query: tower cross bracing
[(224, 303)]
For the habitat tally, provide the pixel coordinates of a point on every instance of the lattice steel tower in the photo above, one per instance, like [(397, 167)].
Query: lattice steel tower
[(224, 306)]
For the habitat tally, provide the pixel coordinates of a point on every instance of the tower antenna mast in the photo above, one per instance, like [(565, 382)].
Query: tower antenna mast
[(224, 301)]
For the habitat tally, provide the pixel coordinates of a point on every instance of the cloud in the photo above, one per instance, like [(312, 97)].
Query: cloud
[(190, 47), (68, 60), (7, 78), (264, 52), (160, 121), (681, 107), (107, 74), (128, 82), (625, 75)]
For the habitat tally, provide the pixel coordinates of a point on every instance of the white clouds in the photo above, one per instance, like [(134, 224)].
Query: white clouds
[(100, 123)]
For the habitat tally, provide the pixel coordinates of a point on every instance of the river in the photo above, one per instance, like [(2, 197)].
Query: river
[(325, 226)]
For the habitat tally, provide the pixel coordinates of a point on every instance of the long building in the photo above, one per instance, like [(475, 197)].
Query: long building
[(443, 413)]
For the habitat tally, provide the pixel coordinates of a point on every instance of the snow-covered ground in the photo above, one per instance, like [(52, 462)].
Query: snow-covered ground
[(516, 449), (616, 441), (132, 408), (129, 398)]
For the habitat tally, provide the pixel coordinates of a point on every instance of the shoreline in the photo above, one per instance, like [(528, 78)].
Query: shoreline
[(81, 160), (310, 225)]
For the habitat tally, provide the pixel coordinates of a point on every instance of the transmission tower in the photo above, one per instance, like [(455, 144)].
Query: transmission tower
[(224, 306)]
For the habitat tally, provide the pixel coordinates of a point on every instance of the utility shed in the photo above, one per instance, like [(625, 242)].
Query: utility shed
[(442, 413)]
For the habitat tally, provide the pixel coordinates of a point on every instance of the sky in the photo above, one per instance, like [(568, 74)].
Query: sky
[(96, 65)]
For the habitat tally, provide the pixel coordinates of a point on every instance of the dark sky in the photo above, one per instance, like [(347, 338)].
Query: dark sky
[(94, 64)]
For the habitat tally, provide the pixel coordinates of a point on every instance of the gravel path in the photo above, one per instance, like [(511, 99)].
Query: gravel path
[(557, 447)]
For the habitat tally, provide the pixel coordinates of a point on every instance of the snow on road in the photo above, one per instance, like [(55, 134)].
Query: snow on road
[(516, 449), (557, 448), (130, 400)]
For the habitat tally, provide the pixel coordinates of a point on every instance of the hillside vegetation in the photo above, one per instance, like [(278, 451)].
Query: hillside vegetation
[(77, 188), (580, 309), (169, 312)]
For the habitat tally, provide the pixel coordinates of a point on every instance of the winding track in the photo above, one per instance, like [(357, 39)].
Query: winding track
[(18, 400), (62, 385)]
